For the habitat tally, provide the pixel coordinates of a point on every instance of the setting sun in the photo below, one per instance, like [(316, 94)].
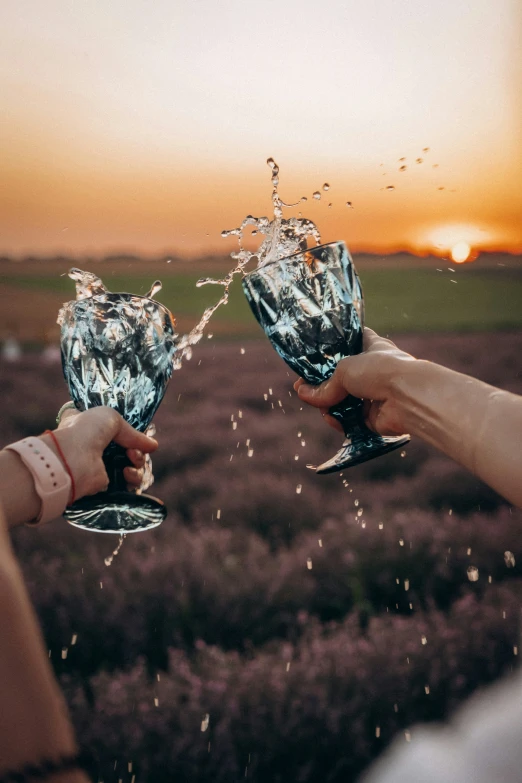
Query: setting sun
[(460, 252)]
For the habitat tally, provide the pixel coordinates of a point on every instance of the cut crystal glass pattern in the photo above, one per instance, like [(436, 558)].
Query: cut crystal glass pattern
[(310, 306), (118, 350)]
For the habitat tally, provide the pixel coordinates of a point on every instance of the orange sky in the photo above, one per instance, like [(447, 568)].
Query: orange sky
[(145, 128)]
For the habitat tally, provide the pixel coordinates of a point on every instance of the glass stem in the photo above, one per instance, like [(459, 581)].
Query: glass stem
[(115, 459), (349, 413)]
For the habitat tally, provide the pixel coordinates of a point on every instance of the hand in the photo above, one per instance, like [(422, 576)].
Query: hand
[(83, 438), (371, 376)]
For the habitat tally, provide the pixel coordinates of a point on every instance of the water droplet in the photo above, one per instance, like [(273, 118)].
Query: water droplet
[(288, 666), (390, 187), (250, 453), (425, 149), (403, 453), (169, 260), (218, 514), (242, 351), (309, 563), (320, 540), (401, 541), (74, 639), (473, 574), (64, 653), (403, 168), (406, 584), (349, 205), (426, 689), (515, 650), (424, 640), (234, 425), (509, 559), (419, 160), (377, 731), (205, 722), (326, 186), (407, 736), (316, 195), (298, 489), (381, 525)]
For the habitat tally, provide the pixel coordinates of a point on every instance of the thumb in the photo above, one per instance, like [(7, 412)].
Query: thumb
[(326, 394)]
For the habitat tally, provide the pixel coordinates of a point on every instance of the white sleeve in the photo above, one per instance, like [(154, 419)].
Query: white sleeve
[(481, 744)]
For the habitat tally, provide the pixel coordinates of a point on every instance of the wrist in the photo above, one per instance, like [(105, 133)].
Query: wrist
[(43, 485), (413, 391), (52, 440)]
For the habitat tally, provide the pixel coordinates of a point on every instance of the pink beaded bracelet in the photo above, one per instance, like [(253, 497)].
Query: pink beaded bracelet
[(51, 481)]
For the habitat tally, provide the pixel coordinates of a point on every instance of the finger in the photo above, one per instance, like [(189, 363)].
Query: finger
[(331, 420), (299, 382), (133, 476), (130, 438), (136, 457), (372, 340), (369, 338), (328, 393)]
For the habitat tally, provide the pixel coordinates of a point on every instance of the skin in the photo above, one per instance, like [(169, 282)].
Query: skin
[(34, 723), (477, 425), (82, 438)]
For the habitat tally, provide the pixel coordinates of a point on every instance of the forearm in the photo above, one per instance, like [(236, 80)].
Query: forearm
[(34, 724), (475, 424)]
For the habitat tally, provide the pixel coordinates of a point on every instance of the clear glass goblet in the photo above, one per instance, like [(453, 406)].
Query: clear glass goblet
[(310, 306)]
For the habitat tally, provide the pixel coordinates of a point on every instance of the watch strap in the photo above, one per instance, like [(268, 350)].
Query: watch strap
[(51, 480)]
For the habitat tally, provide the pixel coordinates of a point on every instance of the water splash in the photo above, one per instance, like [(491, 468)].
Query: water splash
[(154, 289), (87, 284), (282, 237), (108, 560)]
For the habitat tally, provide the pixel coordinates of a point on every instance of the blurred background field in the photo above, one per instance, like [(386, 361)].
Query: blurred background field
[(279, 625), (402, 293)]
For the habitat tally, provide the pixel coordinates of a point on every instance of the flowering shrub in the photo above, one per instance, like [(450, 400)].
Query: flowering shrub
[(289, 608)]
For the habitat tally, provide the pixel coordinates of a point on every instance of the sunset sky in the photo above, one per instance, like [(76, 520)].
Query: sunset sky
[(145, 127)]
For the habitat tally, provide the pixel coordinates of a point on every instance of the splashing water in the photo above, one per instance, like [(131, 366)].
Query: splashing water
[(108, 560), (87, 284), (283, 237)]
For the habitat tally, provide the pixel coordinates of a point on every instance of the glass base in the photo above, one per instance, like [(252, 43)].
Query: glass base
[(116, 512), (360, 449)]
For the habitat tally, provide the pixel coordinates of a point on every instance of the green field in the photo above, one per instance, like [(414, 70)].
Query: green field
[(397, 300)]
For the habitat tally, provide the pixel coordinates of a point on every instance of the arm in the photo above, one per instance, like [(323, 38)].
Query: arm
[(34, 724), (477, 425)]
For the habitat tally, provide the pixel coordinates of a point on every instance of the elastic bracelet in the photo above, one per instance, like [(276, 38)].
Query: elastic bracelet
[(65, 407), (65, 464), (44, 769)]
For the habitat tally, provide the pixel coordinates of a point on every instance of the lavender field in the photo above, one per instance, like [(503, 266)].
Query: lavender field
[(279, 626)]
